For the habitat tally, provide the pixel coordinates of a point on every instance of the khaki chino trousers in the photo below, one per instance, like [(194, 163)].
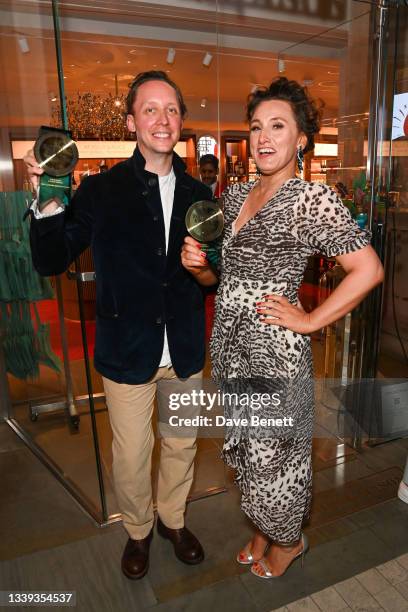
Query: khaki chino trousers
[(130, 409)]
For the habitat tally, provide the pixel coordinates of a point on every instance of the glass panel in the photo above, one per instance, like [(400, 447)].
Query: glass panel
[(390, 214), (329, 49), (98, 68), (217, 58), (42, 383)]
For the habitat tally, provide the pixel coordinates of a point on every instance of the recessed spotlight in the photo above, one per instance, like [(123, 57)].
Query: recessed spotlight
[(65, 77), (328, 84), (72, 65), (281, 65), (171, 54), (207, 59), (98, 61), (203, 103), (129, 61), (23, 44)]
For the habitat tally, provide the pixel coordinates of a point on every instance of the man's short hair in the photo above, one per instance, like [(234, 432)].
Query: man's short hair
[(209, 158), (153, 75)]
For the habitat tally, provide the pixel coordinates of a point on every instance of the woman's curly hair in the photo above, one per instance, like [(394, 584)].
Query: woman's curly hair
[(307, 112)]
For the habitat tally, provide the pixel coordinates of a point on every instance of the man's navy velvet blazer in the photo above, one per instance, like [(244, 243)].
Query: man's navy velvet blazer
[(139, 288)]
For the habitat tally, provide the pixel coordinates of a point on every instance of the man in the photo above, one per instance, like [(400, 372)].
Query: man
[(150, 313), (209, 172)]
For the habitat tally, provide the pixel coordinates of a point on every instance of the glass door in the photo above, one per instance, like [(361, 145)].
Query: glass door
[(59, 407), (44, 372), (389, 361)]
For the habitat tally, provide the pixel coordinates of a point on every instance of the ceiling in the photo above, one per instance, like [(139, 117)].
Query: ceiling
[(105, 42), (91, 63)]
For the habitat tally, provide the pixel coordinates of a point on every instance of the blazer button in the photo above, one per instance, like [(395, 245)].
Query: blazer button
[(159, 251), (155, 218), (145, 193), (152, 182), (158, 321), (165, 284)]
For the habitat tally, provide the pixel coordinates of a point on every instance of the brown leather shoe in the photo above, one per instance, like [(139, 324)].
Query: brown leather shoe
[(135, 558), (186, 546)]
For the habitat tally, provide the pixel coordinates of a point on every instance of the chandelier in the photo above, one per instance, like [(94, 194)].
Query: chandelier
[(95, 117)]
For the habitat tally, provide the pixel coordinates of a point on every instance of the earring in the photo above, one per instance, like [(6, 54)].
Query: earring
[(299, 158)]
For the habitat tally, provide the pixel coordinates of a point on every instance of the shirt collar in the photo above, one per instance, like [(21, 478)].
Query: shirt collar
[(139, 162)]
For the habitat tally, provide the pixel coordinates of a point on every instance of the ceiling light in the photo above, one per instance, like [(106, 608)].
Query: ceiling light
[(171, 54), (23, 44), (328, 84), (137, 52), (207, 59), (203, 103), (53, 97), (129, 62), (118, 101), (281, 65)]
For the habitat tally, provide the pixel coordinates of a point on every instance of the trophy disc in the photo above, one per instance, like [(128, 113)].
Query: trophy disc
[(205, 221), (56, 153)]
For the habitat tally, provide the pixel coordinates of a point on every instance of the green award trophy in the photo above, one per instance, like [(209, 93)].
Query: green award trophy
[(205, 222), (57, 154)]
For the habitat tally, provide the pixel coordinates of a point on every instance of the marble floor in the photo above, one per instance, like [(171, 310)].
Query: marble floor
[(380, 588)]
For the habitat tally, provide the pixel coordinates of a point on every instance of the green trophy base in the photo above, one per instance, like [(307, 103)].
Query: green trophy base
[(56, 188)]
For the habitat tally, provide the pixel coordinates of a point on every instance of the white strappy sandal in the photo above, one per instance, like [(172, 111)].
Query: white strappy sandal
[(267, 572)]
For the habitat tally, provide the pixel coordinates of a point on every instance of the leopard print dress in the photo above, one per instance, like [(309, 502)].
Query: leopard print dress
[(269, 255)]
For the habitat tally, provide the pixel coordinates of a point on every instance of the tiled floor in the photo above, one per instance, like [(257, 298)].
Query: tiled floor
[(384, 587), (48, 544)]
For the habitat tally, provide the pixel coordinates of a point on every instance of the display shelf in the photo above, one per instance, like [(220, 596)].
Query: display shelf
[(234, 159)]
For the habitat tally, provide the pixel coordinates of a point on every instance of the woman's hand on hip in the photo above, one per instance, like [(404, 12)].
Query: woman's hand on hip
[(276, 309)]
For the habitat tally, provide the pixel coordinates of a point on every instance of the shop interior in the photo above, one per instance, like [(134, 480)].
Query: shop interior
[(216, 63)]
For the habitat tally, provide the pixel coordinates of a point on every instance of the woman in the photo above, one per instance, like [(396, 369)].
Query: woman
[(261, 333)]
